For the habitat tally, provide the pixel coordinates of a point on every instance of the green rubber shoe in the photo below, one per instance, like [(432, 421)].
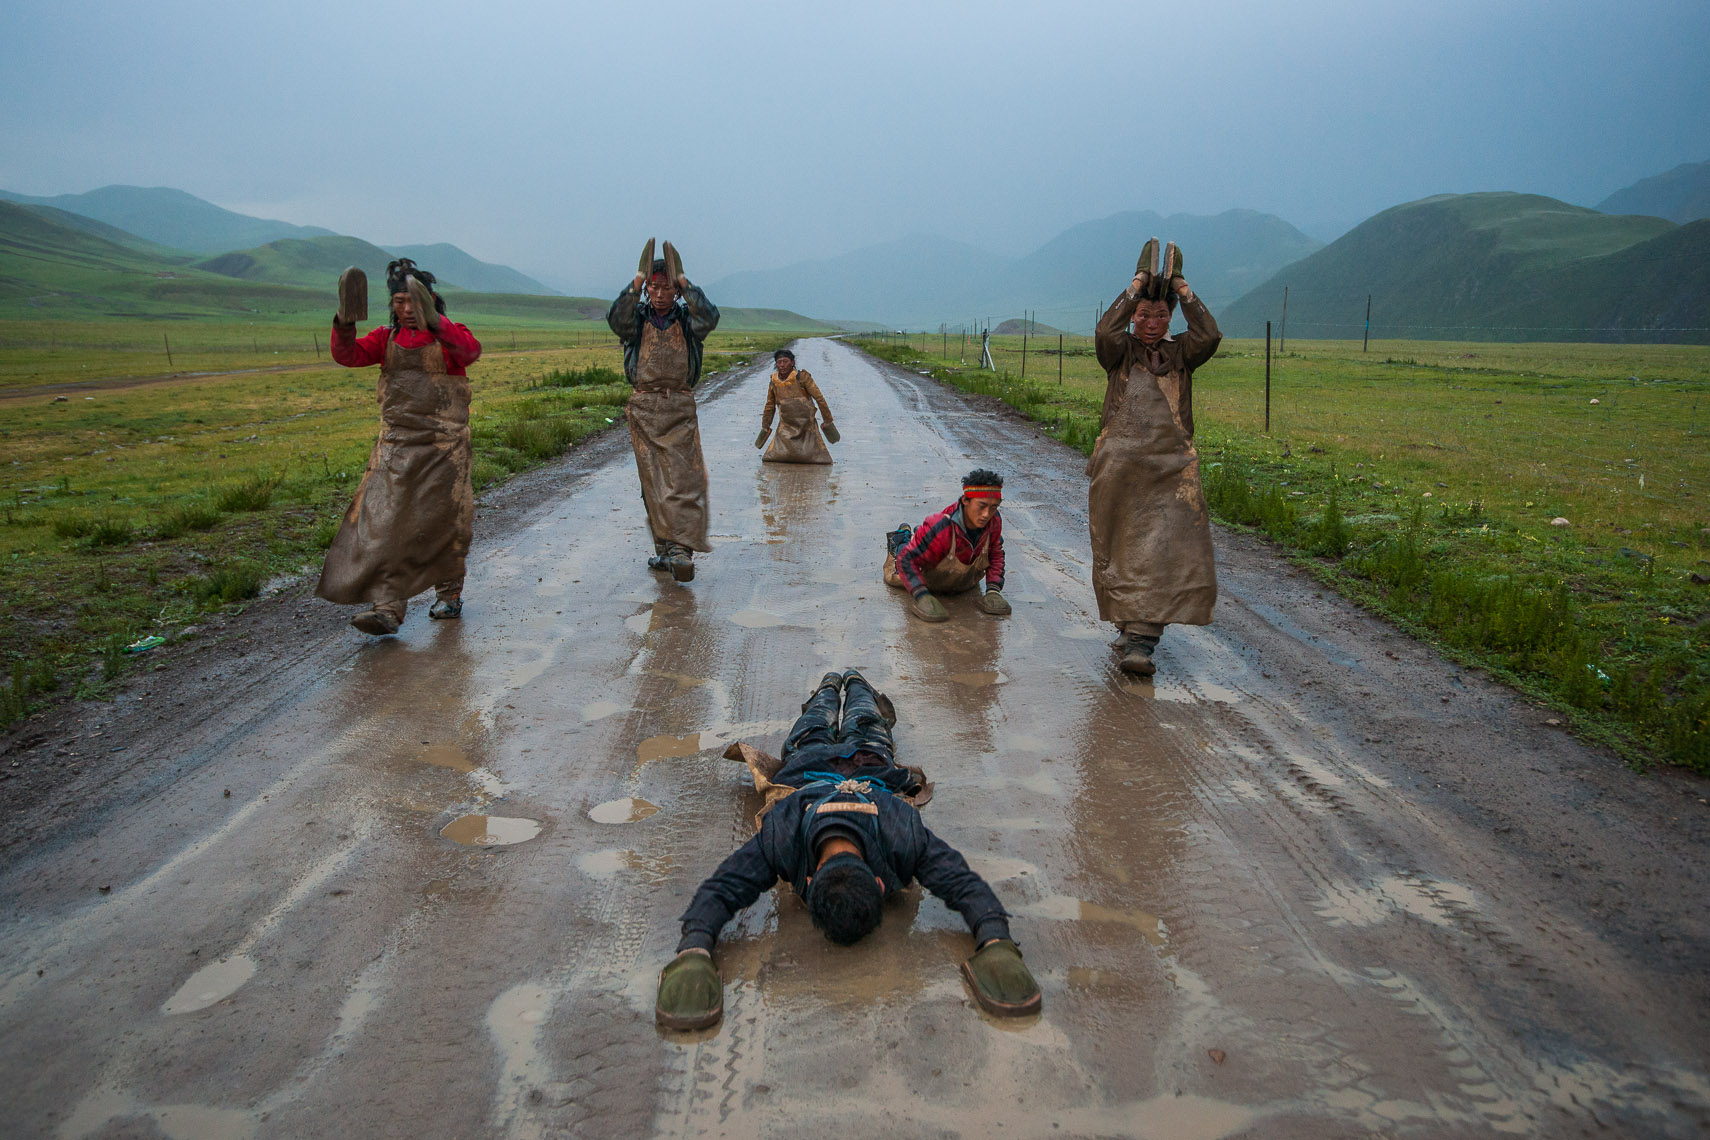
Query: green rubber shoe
[(691, 996), (928, 608), (994, 603), (1001, 981), (831, 433), (1148, 263)]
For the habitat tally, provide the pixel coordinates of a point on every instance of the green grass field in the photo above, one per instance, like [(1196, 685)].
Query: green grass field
[(1423, 478), (126, 511)]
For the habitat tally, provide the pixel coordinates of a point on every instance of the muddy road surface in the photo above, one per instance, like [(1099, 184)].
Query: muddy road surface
[(1312, 882)]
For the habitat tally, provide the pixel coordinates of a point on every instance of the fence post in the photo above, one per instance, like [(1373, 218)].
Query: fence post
[(315, 343), (1366, 343), (1024, 344), (167, 341), (1267, 378), (1059, 360)]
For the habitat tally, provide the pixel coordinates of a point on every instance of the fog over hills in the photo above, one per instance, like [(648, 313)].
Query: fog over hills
[(1680, 195), (1494, 266), (172, 218), (922, 281)]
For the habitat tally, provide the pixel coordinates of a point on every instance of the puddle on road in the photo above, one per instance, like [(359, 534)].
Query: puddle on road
[(756, 619), (1067, 908), (627, 810), (490, 830), (669, 747), (210, 984), (447, 756), (599, 710), (648, 620), (979, 680), (997, 868)]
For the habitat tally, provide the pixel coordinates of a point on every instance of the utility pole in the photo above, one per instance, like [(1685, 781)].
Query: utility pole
[(1282, 333), (1267, 378), (1059, 360), (1365, 344)]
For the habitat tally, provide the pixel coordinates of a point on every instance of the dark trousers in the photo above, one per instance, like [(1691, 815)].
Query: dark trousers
[(820, 740)]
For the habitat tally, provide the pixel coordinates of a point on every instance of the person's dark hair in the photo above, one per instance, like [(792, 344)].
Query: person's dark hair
[(845, 901), (783, 352), (981, 477), (397, 281)]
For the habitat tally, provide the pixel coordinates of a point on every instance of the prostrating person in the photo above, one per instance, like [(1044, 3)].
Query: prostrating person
[(792, 394), (409, 525), (663, 322), (842, 828), (1151, 536), (953, 551)]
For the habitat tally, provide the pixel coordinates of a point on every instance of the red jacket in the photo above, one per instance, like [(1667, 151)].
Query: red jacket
[(934, 539), (461, 348)]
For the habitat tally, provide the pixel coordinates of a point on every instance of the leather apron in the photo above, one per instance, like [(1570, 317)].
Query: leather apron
[(409, 526), (1151, 535), (951, 575), (666, 436), (797, 439)]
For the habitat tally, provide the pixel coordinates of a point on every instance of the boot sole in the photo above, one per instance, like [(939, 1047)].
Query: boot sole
[(374, 624), (683, 571), (679, 1022), (1002, 1008), (1144, 667)]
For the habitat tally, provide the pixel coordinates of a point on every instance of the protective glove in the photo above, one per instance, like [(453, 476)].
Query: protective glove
[(426, 313), (1001, 982), (1171, 268), (352, 296), (691, 996), (928, 608), (645, 265), (1146, 268), (760, 440), (831, 431), (994, 603)]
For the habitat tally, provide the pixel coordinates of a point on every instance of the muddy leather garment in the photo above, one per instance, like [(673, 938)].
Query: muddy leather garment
[(1151, 536), (798, 439), (950, 572), (409, 525), (664, 364)]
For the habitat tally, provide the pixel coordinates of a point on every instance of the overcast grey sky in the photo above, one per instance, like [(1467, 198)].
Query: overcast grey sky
[(555, 137)]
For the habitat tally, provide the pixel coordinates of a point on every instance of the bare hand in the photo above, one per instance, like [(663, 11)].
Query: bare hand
[(682, 283), (1180, 285)]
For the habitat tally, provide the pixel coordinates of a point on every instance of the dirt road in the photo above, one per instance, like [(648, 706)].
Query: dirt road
[(1314, 882)]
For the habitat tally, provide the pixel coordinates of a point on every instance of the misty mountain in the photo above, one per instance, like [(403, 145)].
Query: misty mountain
[(1681, 195), (1495, 266), (896, 283), (921, 281), (172, 218), (448, 263)]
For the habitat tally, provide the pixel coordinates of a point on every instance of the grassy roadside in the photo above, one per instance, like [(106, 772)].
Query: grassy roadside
[(126, 513), (1424, 481)]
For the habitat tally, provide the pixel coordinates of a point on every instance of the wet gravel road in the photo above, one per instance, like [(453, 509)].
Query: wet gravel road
[(1313, 882)]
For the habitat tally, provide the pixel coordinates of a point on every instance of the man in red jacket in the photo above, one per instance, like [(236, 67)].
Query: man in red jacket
[(952, 551), (409, 525)]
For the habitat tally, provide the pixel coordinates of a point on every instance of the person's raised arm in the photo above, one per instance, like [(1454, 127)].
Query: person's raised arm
[(703, 314), (459, 343), (1110, 338), (1199, 343), (743, 877), (621, 316), (352, 352)]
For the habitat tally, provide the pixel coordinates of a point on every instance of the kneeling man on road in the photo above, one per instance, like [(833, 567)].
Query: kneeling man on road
[(792, 393), (1151, 536), (952, 551), (842, 826)]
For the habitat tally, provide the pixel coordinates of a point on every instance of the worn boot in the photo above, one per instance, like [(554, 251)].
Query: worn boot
[(1136, 654), (446, 609), (381, 619), (897, 539), (352, 296), (659, 561), (680, 560)]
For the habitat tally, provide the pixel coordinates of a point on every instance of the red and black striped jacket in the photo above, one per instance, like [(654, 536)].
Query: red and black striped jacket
[(934, 539)]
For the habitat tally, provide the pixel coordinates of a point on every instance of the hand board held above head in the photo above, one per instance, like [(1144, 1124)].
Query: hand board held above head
[(427, 315), (352, 296)]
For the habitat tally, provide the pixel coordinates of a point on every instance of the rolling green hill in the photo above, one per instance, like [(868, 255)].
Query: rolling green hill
[(53, 270), (1497, 266), (1681, 195), (448, 263), (171, 218)]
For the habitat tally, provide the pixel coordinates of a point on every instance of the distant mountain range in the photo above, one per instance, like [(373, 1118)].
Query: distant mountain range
[(921, 281), (1495, 266), (1682, 195), (166, 221)]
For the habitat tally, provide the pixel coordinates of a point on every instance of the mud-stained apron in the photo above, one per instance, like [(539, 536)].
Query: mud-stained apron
[(1151, 537), (408, 527), (951, 575), (666, 436), (797, 439)]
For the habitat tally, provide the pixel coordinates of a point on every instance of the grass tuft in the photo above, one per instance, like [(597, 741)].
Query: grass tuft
[(181, 520), (253, 494)]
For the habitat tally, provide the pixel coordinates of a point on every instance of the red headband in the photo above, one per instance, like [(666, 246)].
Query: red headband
[(993, 493)]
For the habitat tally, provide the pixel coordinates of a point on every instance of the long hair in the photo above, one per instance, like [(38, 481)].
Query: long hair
[(398, 274)]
